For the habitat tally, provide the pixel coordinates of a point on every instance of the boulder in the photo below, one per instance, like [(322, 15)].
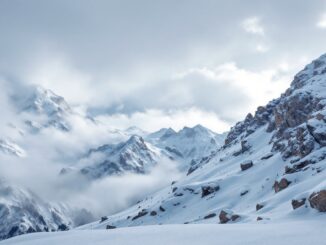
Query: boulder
[(140, 214), (259, 218), (108, 227), (104, 218), (153, 213), (226, 217), (259, 206), (207, 190), (281, 185), (298, 203), (317, 200), (246, 165), (244, 193), (210, 216), (162, 209)]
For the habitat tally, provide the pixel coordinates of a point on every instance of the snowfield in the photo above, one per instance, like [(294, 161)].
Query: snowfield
[(298, 233)]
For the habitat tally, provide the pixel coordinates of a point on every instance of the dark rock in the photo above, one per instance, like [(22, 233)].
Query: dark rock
[(244, 193), (246, 165), (178, 194), (140, 214), (153, 213), (104, 218), (225, 217), (174, 189), (162, 209), (317, 200), (109, 227), (267, 156), (259, 218), (210, 216), (298, 203), (259, 206), (278, 186), (207, 190), (63, 227)]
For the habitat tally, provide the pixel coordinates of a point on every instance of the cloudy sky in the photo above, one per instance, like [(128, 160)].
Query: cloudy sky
[(161, 63)]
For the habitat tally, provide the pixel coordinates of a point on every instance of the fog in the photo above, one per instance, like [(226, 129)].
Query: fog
[(50, 150)]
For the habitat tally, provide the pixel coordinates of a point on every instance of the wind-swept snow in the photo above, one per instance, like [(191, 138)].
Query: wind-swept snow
[(298, 233)]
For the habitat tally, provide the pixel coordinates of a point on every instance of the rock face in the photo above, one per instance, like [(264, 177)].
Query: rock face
[(246, 165), (318, 201), (298, 203), (281, 185)]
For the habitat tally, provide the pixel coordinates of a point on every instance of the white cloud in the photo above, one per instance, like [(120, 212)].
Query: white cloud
[(155, 119), (253, 25), (322, 22), (262, 48)]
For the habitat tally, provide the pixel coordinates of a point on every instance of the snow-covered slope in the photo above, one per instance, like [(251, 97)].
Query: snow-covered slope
[(299, 233), (188, 145), (271, 167)]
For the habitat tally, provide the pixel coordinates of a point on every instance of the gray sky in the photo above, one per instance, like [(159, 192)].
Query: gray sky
[(161, 63)]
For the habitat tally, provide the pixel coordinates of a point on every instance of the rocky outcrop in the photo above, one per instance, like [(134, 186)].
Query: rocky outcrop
[(225, 217), (259, 206), (298, 203), (246, 165), (281, 185), (317, 200), (208, 190), (140, 214)]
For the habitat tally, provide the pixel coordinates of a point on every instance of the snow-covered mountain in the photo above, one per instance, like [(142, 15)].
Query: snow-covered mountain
[(132, 156), (43, 108), (21, 211), (272, 167), (188, 145)]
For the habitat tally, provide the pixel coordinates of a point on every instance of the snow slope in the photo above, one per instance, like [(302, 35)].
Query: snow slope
[(248, 234)]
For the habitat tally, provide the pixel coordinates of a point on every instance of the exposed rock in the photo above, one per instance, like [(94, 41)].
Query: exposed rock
[(178, 194), (140, 214), (153, 213), (267, 156), (246, 165), (244, 193), (299, 166), (278, 186), (259, 218), (162, 209), (298, 203), (259, 206), (63, 227), (174, 189), (210, 216), (207, 190), (317, 200), (104, 218), (226, 217), (108, 227)]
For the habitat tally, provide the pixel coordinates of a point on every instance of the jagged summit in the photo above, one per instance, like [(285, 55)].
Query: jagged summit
[(133, 156)]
